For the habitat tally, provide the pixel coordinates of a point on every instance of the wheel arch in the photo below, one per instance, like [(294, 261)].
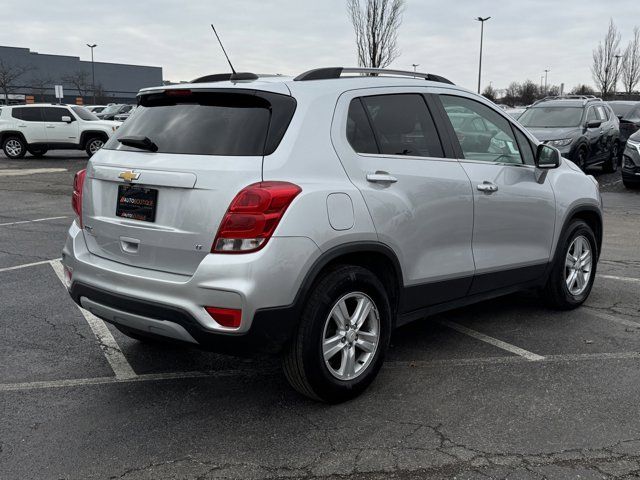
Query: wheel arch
[(11, 133), (592, 216), (89, 134)]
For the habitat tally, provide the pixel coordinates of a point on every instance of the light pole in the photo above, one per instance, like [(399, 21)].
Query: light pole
[(546, 72), (93, 73), (615, 79), (481, 20), (415, 65)]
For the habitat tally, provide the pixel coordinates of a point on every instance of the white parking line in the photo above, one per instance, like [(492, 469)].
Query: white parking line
[(622, 279), (612, 318), (32, 221), (493, 341), (110, 348), (29, 171), (25, 265)]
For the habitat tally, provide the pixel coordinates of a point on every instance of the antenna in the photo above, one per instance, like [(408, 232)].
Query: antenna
[(223, 50)]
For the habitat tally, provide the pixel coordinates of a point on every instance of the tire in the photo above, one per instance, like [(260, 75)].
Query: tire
[(14, 147), (304, 360), (611, 164), (93, 145), (581, 158), (557, 291), (630, 185), (38, 152)]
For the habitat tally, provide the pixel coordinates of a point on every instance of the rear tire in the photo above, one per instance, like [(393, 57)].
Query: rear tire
[(574, 267), (611, 164), (630, 185), (328, 359), (14, 147), (93, 145)]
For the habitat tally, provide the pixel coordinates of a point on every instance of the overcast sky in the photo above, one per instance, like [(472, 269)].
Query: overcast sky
[(522, 38)]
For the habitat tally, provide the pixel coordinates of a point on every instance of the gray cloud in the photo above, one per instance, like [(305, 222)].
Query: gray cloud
[(288, 36)]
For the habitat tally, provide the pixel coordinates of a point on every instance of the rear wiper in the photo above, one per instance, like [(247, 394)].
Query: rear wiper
[(135, 141)]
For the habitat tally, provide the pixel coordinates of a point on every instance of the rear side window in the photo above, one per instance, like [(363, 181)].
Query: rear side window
[(27, 114), (239, 123), (55, 114), (403, 125), (359, 132)]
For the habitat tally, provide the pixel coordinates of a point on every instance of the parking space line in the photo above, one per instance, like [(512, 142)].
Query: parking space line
[(493, 341), (29, 171), (32, 221), (612, 318), (622, 279), (119, 364), (25, 265)]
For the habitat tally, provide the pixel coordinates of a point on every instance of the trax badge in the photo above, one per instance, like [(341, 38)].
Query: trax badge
[(129, 175)]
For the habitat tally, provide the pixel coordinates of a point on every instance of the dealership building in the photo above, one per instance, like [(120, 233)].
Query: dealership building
[(115, 82)]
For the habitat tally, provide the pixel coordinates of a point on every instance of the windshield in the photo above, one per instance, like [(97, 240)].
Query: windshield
[(551, 117), (111, 109), (208, 123), (84, 114), (621, 109)]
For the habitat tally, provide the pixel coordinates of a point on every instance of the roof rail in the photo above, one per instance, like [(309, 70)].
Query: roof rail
[(224, 77), (584, 98), (336, 72)]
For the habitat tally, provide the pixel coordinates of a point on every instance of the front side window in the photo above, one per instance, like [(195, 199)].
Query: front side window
[(591, 115), (602, 114), (403, 125), (495, 144), (55, 114)]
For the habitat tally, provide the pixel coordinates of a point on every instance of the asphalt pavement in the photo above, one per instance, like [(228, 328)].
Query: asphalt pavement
[(503, 389)]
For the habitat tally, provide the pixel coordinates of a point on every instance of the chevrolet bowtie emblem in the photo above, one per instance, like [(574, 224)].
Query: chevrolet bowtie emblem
[(129, 175)]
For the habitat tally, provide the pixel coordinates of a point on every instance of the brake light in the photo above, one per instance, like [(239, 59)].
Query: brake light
[(227, 317), (253, 216), (177, 93), (76, 198)]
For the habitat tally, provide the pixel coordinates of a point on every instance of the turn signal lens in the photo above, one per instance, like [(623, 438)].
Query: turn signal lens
[(253, 216), (227, 317), (76, 198)]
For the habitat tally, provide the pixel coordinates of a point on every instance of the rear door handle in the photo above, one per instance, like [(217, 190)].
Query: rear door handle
[(381, 177), (487, 187), (51, 126)]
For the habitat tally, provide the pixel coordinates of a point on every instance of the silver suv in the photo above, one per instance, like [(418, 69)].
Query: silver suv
[(309, 217)]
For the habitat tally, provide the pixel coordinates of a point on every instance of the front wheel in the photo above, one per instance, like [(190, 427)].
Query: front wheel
[(93, 145), (342, 338), (574, 268), (581, 158)]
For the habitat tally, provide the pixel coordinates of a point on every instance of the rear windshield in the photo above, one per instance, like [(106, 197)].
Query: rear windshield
[(246, 123)]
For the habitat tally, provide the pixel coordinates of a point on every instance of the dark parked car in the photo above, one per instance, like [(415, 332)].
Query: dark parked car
[(584, 128), (629, 114), (631, 162), (111, 111)]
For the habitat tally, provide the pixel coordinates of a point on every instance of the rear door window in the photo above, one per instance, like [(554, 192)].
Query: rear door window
[(403, 125), (359, 132), (28, 114), (226, 123)]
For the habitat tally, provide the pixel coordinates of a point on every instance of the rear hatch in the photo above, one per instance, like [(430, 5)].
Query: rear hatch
[(155, 195)]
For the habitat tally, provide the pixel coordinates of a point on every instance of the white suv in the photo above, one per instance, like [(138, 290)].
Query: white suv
[(38, 128), (311, 216)]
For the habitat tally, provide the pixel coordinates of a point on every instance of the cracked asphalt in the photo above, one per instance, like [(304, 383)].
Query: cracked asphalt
[(446, 405)]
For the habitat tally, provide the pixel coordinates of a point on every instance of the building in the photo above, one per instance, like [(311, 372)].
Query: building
[(114, 82)]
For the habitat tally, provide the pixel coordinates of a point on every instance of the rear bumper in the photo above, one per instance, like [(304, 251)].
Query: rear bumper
[(263, 285)]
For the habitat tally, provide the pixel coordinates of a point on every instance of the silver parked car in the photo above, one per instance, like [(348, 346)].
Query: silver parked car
[(310, 216)]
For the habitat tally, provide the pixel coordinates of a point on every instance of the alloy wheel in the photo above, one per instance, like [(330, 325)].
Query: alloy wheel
[(95, 145), (351, 336), (577, 266), (13, 147)]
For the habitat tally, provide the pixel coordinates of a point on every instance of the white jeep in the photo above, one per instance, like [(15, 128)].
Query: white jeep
[(39, 128)]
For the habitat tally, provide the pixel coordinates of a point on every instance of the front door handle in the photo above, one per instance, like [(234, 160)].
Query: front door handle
[(381, 177), (488, 187), (51, 126)]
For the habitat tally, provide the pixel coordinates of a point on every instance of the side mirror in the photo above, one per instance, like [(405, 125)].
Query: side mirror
[(594, 123), (66, 119), (547, 157)]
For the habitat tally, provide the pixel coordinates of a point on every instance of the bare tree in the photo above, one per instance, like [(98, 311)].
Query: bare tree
[(80, 81), (630, 69), (376, 26), (9, 74), (582, 90), (490, 93), (40, 84), (605, 65)]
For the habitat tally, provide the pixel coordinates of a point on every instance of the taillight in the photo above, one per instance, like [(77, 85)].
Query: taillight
[(76, 198), (253, 216)]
